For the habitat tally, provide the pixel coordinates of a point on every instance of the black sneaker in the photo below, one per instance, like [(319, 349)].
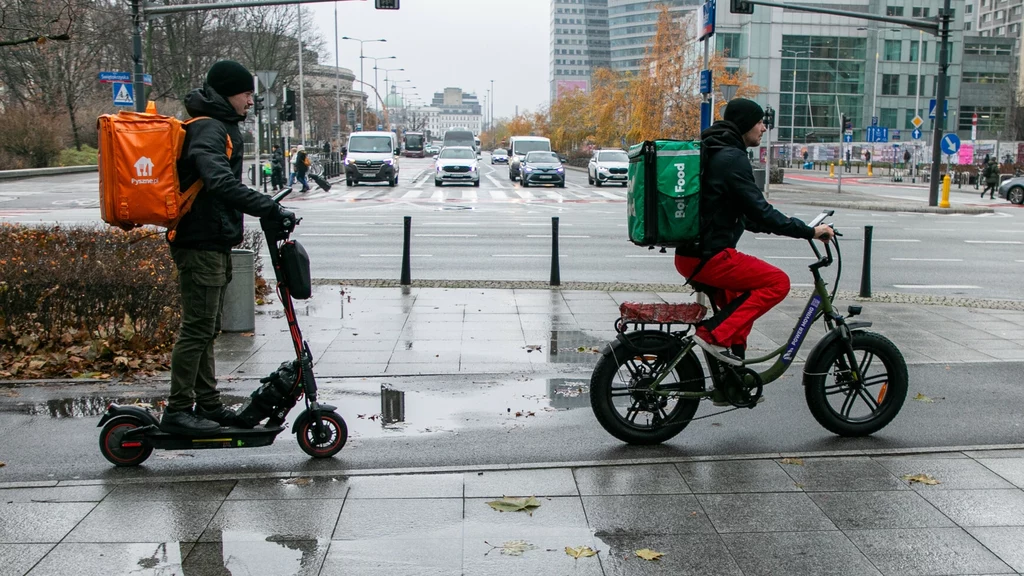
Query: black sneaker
[(186, 423), (220, 415)]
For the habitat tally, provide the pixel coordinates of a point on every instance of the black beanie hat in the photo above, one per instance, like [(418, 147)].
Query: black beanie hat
[(743, 113), (228, 78)]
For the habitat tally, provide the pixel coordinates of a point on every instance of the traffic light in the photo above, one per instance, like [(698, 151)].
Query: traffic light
[(257, 106), (287, 113), (769, 118), (740, 7), (847, 123)]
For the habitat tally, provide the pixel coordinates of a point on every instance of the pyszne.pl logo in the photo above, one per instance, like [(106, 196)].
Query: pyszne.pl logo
[(144, 167)]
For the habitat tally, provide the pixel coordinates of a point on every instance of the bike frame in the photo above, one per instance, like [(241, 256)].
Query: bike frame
[(818, 305)]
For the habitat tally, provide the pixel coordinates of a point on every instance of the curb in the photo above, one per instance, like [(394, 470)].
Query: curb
[(35, 172), (481, 468)]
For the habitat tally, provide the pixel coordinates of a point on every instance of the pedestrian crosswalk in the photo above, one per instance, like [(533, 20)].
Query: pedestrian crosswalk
[(489, 191)]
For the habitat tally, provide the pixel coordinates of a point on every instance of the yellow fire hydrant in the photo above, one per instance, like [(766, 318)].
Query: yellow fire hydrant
[(831, 169), (870, 173), (944, 202)]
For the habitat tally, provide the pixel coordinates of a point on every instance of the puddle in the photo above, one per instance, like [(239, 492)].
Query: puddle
[(91, 406)]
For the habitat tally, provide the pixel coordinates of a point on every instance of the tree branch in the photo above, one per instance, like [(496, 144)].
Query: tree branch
[(35, 39)]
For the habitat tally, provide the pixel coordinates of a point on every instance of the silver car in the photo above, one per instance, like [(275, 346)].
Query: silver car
[(1012, 190), (456, 164), (499, 156), (608, 166)]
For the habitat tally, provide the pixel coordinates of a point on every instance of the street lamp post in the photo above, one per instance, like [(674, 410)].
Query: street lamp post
[(362, 102), (387, 91), (375, 66), (490, 116)]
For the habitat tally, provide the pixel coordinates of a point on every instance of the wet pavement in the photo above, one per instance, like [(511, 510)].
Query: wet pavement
[(738, 516)]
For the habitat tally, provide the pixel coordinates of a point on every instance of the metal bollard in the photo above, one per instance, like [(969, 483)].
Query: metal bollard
[(865, 273), (406, 274), (238, 313), (556, 279)]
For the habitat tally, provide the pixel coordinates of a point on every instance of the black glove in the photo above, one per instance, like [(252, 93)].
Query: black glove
[(286, 218)]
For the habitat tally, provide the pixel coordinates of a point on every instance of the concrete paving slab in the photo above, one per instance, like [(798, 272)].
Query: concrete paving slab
[(1004, 543), (843, 475), (480, 558), (873, 510), (388, 557), (798, 554), (553, 482), (171, 492), (645, 515), (556, 516), (692, 555), (736, 477), (400, 518), (764, 512), (970, 508), (407, 486), (86, 559), (278, 557), (923, 551), (294, 488), (262, 520), (629, 480), (953, 474), (40, 522), (93, 493), (113, 521), (19, 558), (1012, 469)]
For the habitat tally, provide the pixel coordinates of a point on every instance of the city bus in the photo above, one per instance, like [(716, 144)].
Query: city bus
[(414, 145)]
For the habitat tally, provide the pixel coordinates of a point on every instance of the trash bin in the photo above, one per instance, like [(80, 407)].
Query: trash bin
[(759, 175), (239, 311)]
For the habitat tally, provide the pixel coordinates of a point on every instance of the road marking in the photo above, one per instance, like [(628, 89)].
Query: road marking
[(894, 240), (524, 194), (445, 235), (469, 195), (495, 180), (549, 236), (931, 229), (937, 286), (524, 255), (395, 255), (993, 242), (927, 259), (1019, 261), (328, 234), (413, 194), (611, 195), (498, 195), (542, 224)]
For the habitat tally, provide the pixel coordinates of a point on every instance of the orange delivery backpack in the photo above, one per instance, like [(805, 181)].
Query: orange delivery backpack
[(138, 170)]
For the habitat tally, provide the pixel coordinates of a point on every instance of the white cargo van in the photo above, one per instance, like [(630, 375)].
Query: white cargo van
[(372, 157)]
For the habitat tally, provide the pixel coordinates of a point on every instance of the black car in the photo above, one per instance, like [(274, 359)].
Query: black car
[(542, 168)]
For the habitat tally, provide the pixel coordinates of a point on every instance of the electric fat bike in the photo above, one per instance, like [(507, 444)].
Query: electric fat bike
[(648, 383), (130, 433)]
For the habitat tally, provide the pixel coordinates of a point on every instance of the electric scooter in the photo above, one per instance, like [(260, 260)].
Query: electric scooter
[(130, 433)]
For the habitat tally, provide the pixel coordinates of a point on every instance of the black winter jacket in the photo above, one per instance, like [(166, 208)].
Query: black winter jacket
[(215, 220), (730, 201)]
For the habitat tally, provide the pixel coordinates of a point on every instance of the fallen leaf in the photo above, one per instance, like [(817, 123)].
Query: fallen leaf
[(508, 504), (514, 547), (2, 464), (920, 478), (793, 461), (580, 552), (301, 481), (248, 334), (922, 398), (648, 554)]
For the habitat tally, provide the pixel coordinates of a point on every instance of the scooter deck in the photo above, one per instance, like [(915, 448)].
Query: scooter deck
[(226, 437)]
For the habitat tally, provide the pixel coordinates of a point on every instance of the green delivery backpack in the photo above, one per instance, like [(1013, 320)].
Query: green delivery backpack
[(663, 198)]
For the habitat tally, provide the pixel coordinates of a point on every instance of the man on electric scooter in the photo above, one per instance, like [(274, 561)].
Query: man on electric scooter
[(201, 244), (743, 287)]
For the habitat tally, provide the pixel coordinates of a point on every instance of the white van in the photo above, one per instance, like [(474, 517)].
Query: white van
[(372, 157), (518, 146)]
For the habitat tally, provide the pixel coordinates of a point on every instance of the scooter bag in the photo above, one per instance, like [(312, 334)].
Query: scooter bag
[(295, 266)]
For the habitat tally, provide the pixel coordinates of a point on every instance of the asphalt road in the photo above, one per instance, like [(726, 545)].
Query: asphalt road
[(501, 231), (462, 421)]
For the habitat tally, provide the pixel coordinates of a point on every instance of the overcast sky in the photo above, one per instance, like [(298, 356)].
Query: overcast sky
[(449, 43)]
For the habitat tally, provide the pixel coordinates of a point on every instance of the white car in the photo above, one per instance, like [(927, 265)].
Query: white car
[(608, 166), (456, 164), (499, 156)]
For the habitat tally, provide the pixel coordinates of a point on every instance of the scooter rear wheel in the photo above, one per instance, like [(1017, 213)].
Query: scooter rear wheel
[(335, 436), (110, 442)]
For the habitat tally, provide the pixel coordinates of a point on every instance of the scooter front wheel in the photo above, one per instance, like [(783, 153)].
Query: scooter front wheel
[(330, 442), (111, 446)]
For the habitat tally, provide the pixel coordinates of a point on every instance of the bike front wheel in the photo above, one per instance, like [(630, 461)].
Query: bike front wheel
[(850, 407), (621, 395)]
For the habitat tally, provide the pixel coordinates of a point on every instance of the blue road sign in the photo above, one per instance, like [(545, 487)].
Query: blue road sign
[(950, 144), (124, 94), (931, 109), (874, 120), (877, 134), (108, 77), (916, 134), (847, 137), (895, 134), (707, 21), (705, 81)]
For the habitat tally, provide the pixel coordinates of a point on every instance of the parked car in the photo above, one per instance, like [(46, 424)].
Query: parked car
[(608, 166), (542, 167), (499, 156), (456, 164), (1013, 190)]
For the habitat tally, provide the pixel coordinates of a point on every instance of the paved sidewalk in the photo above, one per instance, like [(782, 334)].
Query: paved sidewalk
[(364, 331), (769, 515)]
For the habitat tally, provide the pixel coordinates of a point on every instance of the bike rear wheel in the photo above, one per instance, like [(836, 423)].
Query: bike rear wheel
[(620, 392), (848, 407)]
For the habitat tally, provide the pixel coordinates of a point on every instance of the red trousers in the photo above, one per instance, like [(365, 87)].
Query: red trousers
[(747, 288)]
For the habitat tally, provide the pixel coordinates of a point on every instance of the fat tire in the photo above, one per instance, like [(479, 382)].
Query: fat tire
[(818, 374), (305, 431), (117, 426), (665, 347)]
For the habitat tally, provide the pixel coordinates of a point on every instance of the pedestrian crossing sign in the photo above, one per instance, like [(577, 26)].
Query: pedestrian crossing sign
[(124, 95)]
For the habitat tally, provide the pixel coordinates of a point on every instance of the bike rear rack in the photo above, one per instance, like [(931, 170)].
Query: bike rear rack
[(660, 316)]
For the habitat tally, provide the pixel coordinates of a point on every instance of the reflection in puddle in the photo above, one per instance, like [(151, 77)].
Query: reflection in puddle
[(91, 406), (244, 553)]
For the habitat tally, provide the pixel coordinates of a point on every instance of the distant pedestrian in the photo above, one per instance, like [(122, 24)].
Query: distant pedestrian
[(991, 174), (302, 167), (291, 175), (276, 168)]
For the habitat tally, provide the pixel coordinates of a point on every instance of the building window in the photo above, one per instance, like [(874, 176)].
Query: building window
[(916, 46), (919, 12), (887, 117), (909, 124), (990, 118), (893, 50), (729, 43), (894, 11), (890, 84), (985, 78), (935, 85), (911, 85)]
